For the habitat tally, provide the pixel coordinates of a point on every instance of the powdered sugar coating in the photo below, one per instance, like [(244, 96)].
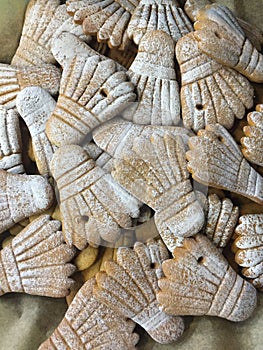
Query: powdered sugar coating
[(155, 172), (199, 281), (35, 106), (212, 152), (252, 142), (44, 20), (88, 324), (107, 19), (163, 15), (97, 92), (153, 74), (129, 287), (35, 262), (220, 36), (10, 142), (210, 93), (22, 196), (86, 191), (248, 248)]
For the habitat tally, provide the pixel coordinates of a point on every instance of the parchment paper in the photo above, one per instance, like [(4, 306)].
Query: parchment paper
[(26, 321)]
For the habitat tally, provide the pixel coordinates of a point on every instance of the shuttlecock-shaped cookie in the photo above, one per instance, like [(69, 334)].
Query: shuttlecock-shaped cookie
[(129, 287), (248, 248), (10, 142), (15, 78), (44, 20), (92, 91), (92, 204), (35, 106), (199, 281), (220, 36), (253, 33), (163, 15), (36, 261), (88, 324), (155, 172), (221, 220), (22, 196), (37, 17), (252, 143), (216, 160), (210, 93), (153, 74), (117, 136), (108, 20)]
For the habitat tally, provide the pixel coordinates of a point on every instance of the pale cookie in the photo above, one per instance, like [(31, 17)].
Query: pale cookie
[(92, 204), (108, 20), (88, 324), (10, 142), (253, 33), (44, 20), (22, 196), (153, 74), (36, 261), (252, 143), (155, 172), (92, 91), (210, 92), (15, 78), (117, 136), (215, 160), (35, 106), (86, 258), (248, 248), (163, 15), (129, 287), (199, 281), (220, 36), (221, 220)]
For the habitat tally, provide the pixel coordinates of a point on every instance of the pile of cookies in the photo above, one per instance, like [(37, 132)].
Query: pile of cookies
[(125, 172)]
